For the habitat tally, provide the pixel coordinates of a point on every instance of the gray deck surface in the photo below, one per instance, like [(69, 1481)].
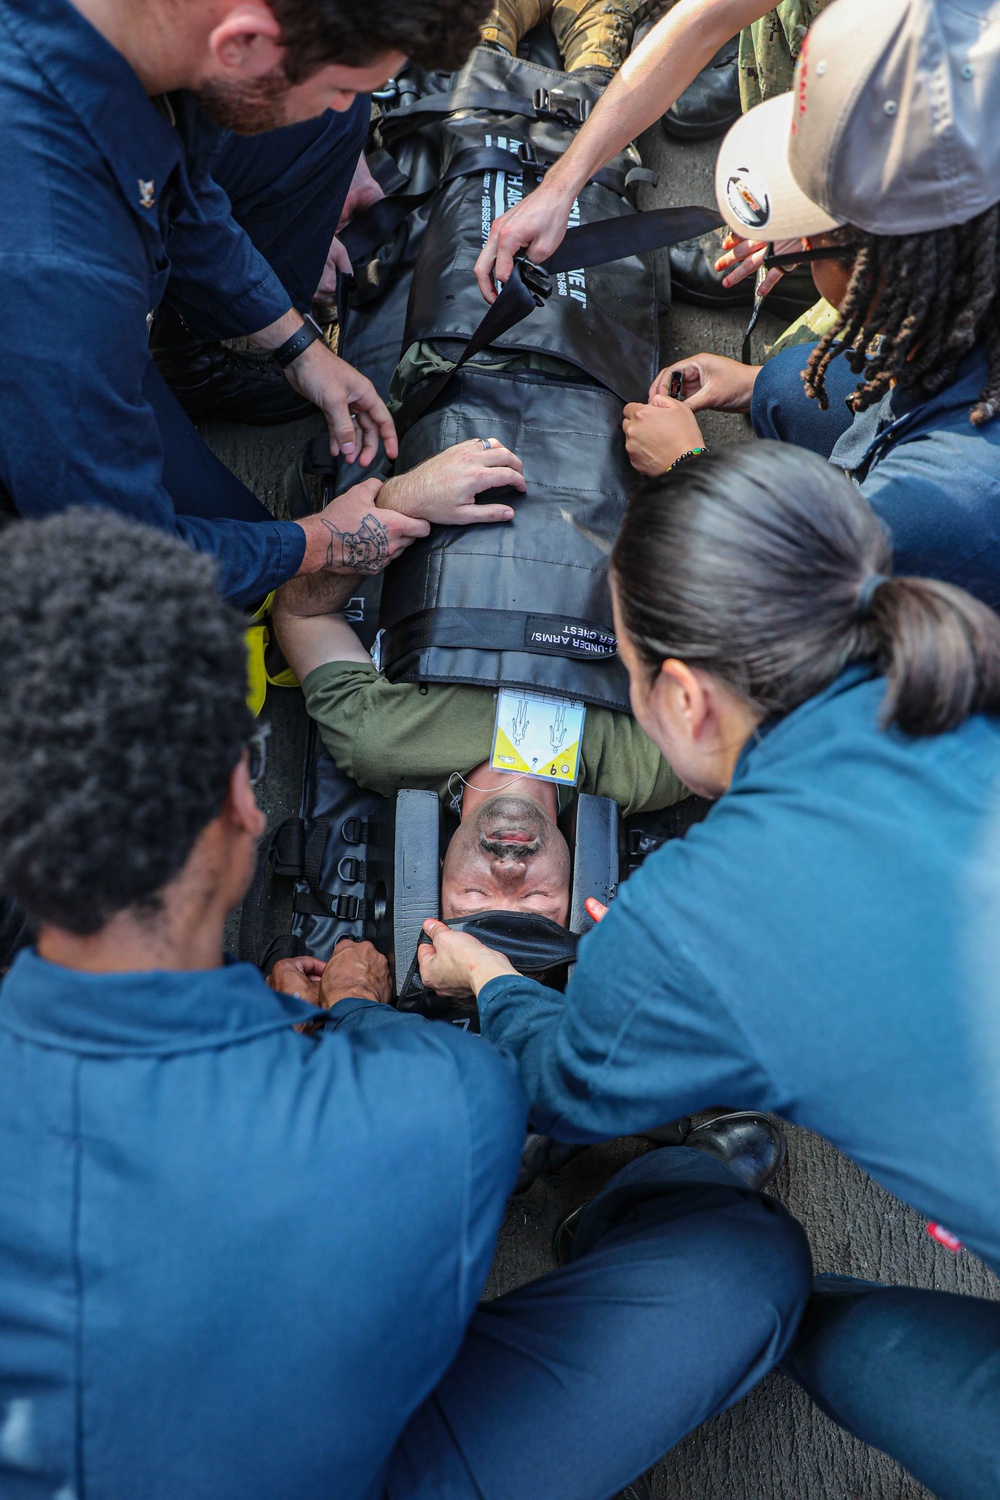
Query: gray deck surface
[(774, 1445)]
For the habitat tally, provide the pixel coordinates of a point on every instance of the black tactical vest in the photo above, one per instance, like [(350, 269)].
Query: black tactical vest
[(527, 602)]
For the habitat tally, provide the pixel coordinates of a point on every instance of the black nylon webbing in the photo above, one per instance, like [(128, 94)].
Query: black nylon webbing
[(585, 245), (612, 239), (434, 106), (498, 630), (512, 306), (376, 226)]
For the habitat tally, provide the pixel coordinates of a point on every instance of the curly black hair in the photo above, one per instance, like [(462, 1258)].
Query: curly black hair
[(433, 33), (915, 306), (122, 713)]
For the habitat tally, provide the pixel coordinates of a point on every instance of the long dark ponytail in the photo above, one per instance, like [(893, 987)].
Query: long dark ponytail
[(765, 566)]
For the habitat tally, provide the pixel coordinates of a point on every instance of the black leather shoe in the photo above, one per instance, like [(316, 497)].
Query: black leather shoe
[(694, 279), (750, 1144), (214, 383), (711, 101)]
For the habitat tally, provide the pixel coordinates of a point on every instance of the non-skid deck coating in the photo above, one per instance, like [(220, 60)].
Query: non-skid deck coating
[(774, 1445)]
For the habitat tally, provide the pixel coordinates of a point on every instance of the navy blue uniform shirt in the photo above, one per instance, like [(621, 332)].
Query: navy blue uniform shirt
[(102, 201), (826, 944), (233, 1258), (927, 472)]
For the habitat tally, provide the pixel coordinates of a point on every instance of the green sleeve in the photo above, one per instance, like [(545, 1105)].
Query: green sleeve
[(621, 762), (387, 735)]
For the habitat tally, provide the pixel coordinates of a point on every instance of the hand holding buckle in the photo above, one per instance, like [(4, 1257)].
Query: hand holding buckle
[(535, 278)]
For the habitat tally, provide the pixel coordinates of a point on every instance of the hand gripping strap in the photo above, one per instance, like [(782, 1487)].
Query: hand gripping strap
[(533, 944), (378, 223), (529, 286)]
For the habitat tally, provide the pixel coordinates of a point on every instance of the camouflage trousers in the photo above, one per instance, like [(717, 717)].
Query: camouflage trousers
[(598, 33), (588, 33), (770, 47)]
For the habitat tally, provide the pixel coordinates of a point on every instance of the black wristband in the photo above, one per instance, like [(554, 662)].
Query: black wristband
[(293, 347)]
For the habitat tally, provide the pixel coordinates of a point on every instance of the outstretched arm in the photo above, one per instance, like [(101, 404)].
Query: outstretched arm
[(648, 83), (310, 625)]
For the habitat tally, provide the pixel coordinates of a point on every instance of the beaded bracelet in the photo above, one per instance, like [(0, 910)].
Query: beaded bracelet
[(691, 453)]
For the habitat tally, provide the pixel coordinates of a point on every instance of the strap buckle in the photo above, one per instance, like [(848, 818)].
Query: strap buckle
[(345, 908), (529, 161), (396, 92), (536, 279), (557, 104)]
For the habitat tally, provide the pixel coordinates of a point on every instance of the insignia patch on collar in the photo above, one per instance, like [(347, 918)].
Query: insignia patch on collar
[(147, 193)]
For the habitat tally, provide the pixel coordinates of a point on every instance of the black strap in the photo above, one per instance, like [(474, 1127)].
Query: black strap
[(379, 222), (529, 285), (376, 226), (631, 234), (298, 343), (283, 945), (497, 630), (746, 353), (407, 117), (524, 291), (533, 944)]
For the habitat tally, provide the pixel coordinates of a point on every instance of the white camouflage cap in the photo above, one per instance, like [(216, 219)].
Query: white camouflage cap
[(892, 124)]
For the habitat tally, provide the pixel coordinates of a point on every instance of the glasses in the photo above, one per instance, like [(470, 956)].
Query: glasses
[(257, 754)]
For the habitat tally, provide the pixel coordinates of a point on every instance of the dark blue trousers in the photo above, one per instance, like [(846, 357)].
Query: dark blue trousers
[(287, 189), (684, 1289), (914, 1373), (781, 409)]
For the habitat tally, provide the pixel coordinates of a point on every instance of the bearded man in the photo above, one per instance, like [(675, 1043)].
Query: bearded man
[(124, 190)]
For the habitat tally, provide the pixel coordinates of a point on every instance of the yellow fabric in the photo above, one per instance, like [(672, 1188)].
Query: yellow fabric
[(258, 637), (807, 328)]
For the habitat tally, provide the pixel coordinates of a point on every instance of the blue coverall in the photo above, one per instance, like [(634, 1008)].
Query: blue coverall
[(826, 944), (242, 1263), (926, 471)]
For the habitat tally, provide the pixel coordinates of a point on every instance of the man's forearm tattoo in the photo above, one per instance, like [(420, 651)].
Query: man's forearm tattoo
[(363, 551)]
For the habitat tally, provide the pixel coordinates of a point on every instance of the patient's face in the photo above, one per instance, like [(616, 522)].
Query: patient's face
[(508, 855)]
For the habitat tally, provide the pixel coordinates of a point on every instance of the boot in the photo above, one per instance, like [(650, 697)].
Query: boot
[(711, 101), (694, 279), (752, 1146), (214, 383)]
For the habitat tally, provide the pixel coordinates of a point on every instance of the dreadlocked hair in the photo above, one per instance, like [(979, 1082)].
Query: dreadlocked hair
[(915, 306)]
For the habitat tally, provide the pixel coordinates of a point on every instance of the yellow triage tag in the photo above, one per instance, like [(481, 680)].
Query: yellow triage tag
[(538, 734)]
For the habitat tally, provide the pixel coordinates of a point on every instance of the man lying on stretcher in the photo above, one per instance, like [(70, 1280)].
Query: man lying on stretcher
[(508, 852)]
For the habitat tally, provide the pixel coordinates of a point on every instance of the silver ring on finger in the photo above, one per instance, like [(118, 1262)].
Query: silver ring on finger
[(487, 443)]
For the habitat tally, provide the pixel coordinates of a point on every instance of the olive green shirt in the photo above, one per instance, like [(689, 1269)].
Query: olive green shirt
[(388, 735)]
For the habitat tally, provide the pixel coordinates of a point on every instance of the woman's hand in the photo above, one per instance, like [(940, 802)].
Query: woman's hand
[(709, 382), (443, 489), (744, 258), (455, 964), (536, 225), (657, 434)]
